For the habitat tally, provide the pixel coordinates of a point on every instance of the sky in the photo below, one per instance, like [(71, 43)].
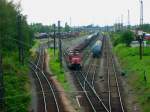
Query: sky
[(84, 12)]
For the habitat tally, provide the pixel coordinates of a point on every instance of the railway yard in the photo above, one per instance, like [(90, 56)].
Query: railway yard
[(74, 56), (96, 90)]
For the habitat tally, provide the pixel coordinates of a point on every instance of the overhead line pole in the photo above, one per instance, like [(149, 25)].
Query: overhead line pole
[(140, 32), (1, 75), (141, 13), (128, 19), (20, 37), (60, 46), (54, 36)]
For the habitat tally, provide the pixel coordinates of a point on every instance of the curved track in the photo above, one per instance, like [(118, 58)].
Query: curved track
[(47, 96)]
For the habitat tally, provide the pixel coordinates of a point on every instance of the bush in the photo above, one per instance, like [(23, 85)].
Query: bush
[(127, 37), (122, 37)]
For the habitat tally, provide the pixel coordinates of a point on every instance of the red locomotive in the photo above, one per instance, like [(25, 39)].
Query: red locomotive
[(74, 54), (74, 59)]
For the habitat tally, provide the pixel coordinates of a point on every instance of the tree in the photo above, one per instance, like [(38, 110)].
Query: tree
[(67, 28), (9, 48), (127, 37)]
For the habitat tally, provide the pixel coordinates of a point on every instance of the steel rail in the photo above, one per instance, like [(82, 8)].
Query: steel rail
[(41, 86), (86, 95), (41, 71), (55, 99), (94, 91), (93, 75), (118, 89), (58, 110), (111, 60), (108, 75)]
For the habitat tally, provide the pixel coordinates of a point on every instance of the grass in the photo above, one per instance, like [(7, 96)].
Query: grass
[(16, 84), (34, 48), (134, 68), (57, 71)]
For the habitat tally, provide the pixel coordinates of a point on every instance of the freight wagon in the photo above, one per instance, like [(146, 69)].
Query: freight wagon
[(96, 49), (74, 54)]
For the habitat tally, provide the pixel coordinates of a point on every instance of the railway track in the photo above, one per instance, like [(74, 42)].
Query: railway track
[(114, 95), (95, 101), (46, 92), (111, 99), (86, 82)]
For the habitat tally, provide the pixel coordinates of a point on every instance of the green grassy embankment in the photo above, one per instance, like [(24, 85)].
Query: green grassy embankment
[(34, 48), (58, 72), (16, 81), (16, 84), (134, 68)]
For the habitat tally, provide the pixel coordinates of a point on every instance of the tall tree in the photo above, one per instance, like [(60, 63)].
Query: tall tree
[(67, 28)]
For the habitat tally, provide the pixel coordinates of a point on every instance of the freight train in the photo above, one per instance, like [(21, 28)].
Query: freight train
[(96, 49), (74, 55)]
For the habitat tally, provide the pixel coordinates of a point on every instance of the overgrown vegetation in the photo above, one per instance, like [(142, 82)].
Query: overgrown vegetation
[(16, 95), (134, 69), (145, 27), (137, 71), (57, 71), (16, 83), (122, 37)]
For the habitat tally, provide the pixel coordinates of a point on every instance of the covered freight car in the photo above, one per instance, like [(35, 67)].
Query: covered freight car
[(96, 49)]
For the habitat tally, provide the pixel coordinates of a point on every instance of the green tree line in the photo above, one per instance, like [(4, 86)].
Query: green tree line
[(39, 27), (13, 75), (8, 27)]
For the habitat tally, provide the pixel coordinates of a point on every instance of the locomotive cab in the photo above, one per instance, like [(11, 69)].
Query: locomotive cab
[(74, 59)]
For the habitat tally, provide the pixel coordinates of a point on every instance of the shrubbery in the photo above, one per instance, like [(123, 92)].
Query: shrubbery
[(16, 95), (134, 68), (123, 37)]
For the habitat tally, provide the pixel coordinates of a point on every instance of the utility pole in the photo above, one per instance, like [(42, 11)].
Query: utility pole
[(128, 19), (122, 22), (20, 38), (140, 50), (1, 78), (141, 34), (70, 21), (60, 47), (54, 36), (141, 13), (70, 24), (1, 85), (140, 39)]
